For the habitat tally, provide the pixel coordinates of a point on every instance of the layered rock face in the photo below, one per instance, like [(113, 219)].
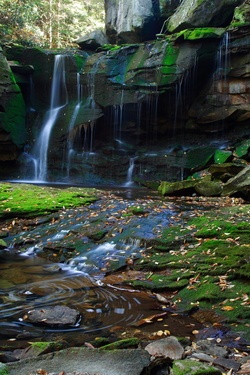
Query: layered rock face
[(12, 113), (148, 94)]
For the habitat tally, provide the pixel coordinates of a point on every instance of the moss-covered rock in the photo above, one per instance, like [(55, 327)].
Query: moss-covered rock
[(176, 188), (238, 184), (202, 13), (201, 33), (189, 367), (132, 342), (242, 148), (209, 188), (241, 14), (221, 156), (3, 369)]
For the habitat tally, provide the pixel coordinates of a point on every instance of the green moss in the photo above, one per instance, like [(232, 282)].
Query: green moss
[(13, 118), (207, 260), (202, 33), (3, 369), (42, 345), (190, 367), (109, 47), (243, 148), (159, 283), (178, 187), (100, 341), (221, 156), (137, 210), (169, 64), (29, 200), (122, 344)]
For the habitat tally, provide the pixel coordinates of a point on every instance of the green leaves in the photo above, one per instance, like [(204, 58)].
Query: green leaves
[(48, 23)]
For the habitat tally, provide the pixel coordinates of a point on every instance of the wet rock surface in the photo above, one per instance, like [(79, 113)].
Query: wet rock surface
[(169, 357), (53, 316)]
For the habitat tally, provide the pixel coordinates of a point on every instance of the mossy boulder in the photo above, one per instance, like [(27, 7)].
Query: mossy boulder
[(202, 13), (242, 14), (209, 188), (176, 188), (238, 184)]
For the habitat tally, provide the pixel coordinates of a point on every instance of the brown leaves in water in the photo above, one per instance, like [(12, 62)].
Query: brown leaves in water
[(149, 319)]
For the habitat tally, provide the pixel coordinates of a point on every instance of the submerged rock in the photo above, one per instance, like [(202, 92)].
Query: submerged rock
[(54, 316)]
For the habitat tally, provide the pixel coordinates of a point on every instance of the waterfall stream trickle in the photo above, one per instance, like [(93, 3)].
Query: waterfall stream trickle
[(129, 180), (59, 99), (70, 150)]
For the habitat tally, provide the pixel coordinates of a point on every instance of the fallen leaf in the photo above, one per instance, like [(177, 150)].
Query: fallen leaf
[(149, 319), (227, 308), (41, 372)]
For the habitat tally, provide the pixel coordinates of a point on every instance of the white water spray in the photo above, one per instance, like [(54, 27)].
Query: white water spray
[(58, 95)]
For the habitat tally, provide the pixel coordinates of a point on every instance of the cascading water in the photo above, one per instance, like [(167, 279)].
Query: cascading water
[(59, 99), (70, 149), (222, 58), (129, 180), (118, 118)]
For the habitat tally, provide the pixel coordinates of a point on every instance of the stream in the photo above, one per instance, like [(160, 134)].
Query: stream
[(60, 260)]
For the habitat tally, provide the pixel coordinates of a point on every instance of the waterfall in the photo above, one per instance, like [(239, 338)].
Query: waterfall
[(70, 140), (129, 180), (222, 61), (58, 100), (118, 118)]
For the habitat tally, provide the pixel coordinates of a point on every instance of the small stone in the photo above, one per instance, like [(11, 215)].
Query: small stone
[(203, 357), (168, 347), (227, 363), (211, 348)]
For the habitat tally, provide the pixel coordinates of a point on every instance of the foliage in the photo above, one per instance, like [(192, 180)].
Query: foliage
[(48, 23)]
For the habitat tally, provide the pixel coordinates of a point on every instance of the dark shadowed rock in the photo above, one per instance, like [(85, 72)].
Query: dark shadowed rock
[(92, 40), (239, 183)]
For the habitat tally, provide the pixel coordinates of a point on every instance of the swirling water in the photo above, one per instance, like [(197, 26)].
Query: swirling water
[(32, 280)]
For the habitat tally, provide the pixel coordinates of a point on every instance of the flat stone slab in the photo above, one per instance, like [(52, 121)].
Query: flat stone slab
[(54, 316), (85, 361)]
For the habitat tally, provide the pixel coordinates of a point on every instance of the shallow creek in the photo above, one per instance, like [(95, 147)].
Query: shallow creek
[(58, 260)]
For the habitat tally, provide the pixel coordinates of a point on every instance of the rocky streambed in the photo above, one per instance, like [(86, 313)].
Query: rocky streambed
[(126, 269)]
